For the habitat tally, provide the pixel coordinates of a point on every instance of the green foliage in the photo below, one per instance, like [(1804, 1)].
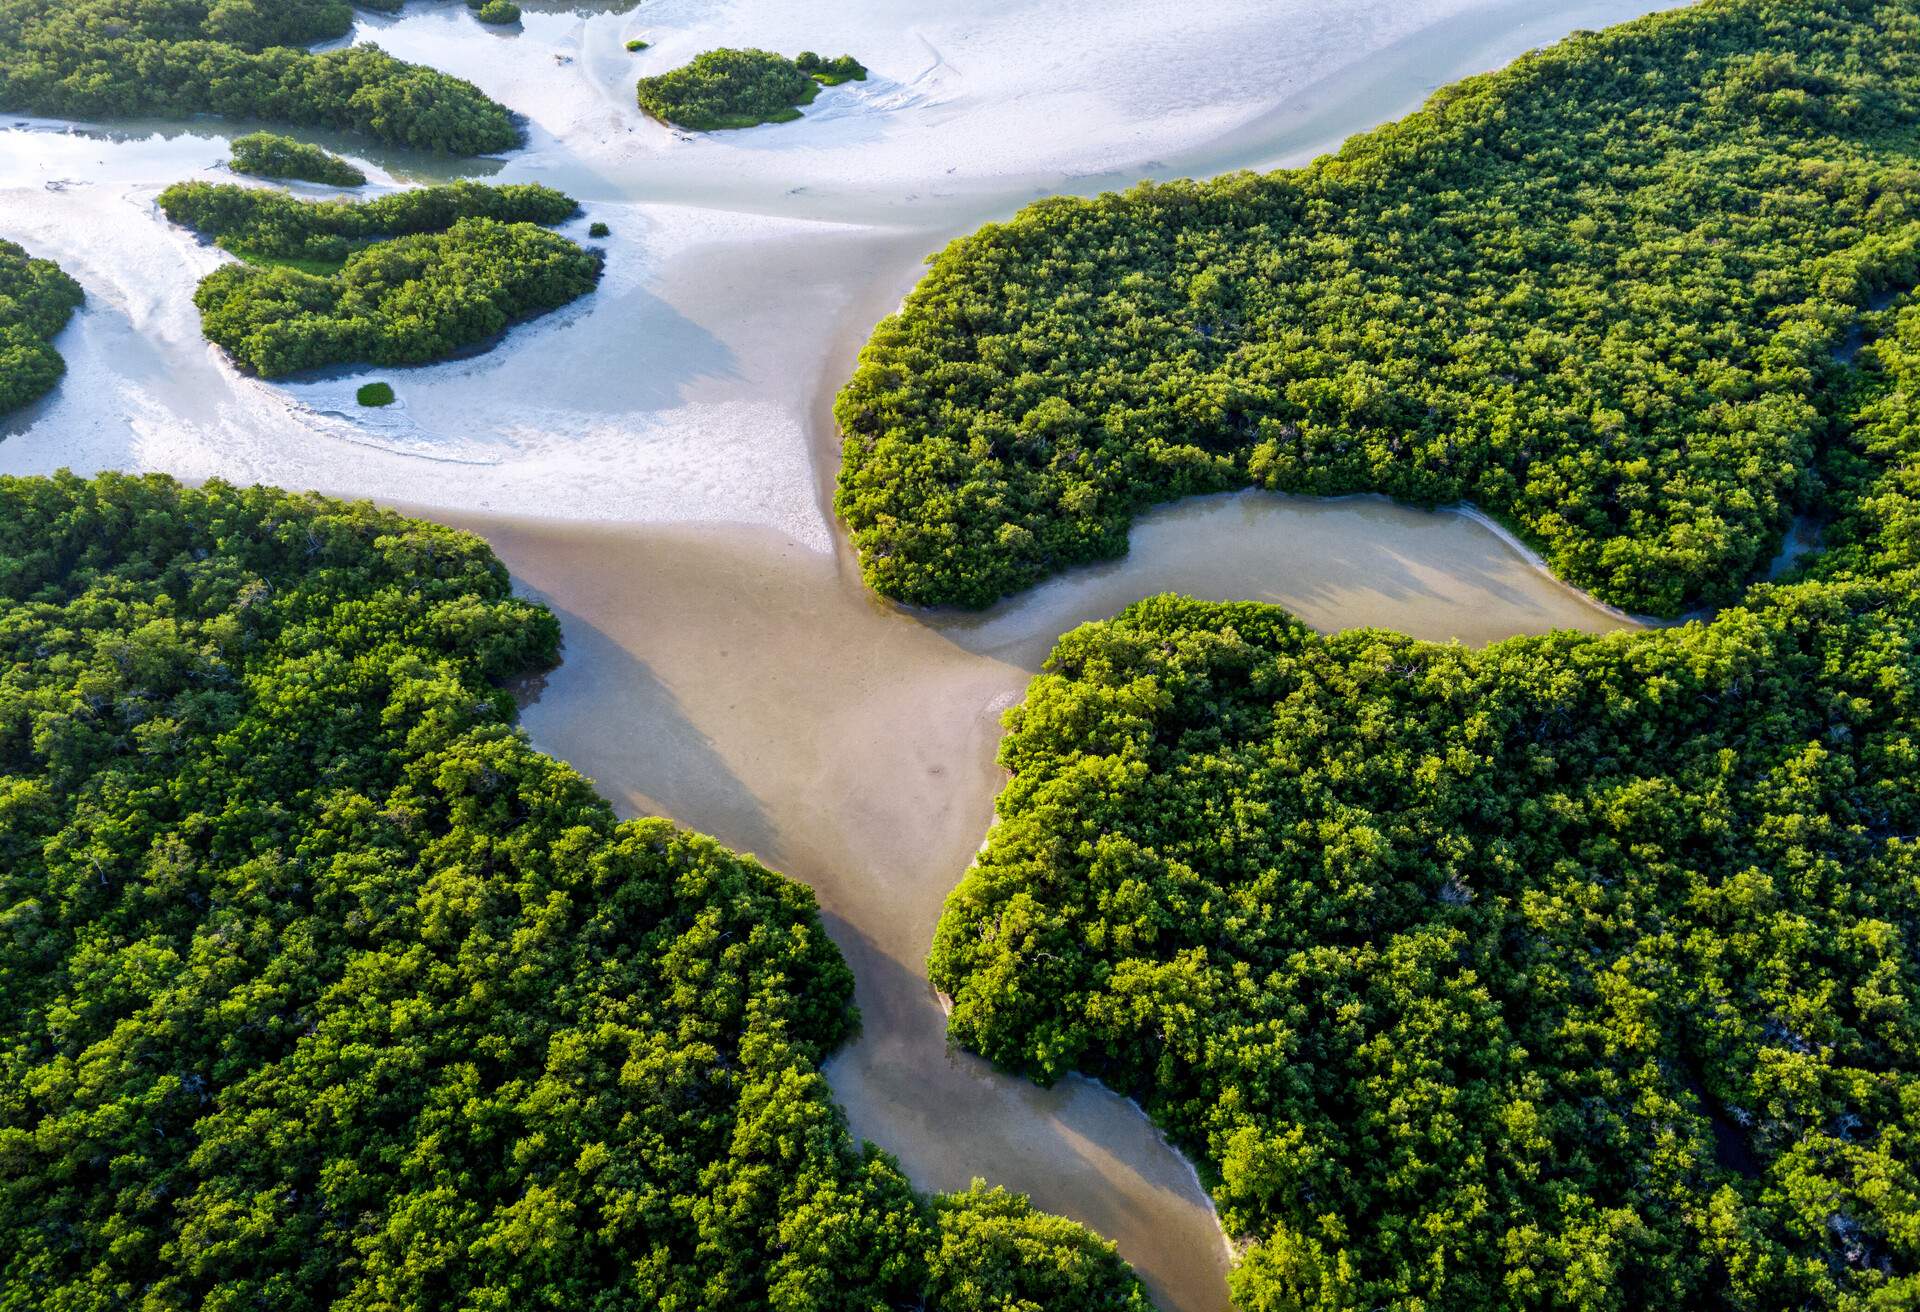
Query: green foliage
[(1573, 973), (174, 58), (412, 300), (266, 155), (735, 89), (495, 11), (599, 230), (996, 1254), (636, 45), (1591, 293), (830, 72), (420, 274), (275, 223), (375, 394), (36, 300), (267, 259), (320, 989)]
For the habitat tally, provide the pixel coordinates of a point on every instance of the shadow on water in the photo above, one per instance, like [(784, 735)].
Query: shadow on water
[(204, 141), (664, 381), (650, 758), (579, 362)]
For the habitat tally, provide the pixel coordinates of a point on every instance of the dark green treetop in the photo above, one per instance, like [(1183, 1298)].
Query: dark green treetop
[(321, 989), (1591, 293), (36, 300), (105, 59)]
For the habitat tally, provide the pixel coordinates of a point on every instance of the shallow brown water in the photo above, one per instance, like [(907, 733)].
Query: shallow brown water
[(752, 689)]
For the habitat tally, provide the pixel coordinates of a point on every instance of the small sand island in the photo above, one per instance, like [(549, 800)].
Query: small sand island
[(743, 88)]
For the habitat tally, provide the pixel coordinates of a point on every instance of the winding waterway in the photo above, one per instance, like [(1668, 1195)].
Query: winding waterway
[(750, 688), (723, 665)]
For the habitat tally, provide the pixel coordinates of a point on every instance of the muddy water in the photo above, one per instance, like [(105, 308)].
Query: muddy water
[(749, 688)]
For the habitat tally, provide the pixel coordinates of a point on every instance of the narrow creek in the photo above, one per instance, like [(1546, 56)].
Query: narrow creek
[(750, 688), (723, 664)]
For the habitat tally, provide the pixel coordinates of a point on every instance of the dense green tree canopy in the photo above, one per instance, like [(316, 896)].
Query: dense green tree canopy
[(498, 12), (742, 88), (1574, 973), (406, 278), (270, 223), (36, 300), (1590, 293), (240, 58), (320, 989), (830, 72), (269, 155), (996, 1254)]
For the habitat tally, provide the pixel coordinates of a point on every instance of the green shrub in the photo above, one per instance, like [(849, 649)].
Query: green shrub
[(106, 59), (36, 300), (274, 223), (732, 89), (420, 275), (266, 155), (996, 1254), (497, 11), (637, 45), (409, 300), (325, 990), (1549, 293), (599, 230), (373, 395), (830, 72)]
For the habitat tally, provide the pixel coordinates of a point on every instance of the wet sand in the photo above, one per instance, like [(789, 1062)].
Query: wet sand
[(752, 689)]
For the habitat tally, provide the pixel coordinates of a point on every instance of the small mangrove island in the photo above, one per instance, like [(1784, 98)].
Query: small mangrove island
[(500, 13), (103, 59), (36, 300), (742, 88), (409, 278), (268, 155)]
